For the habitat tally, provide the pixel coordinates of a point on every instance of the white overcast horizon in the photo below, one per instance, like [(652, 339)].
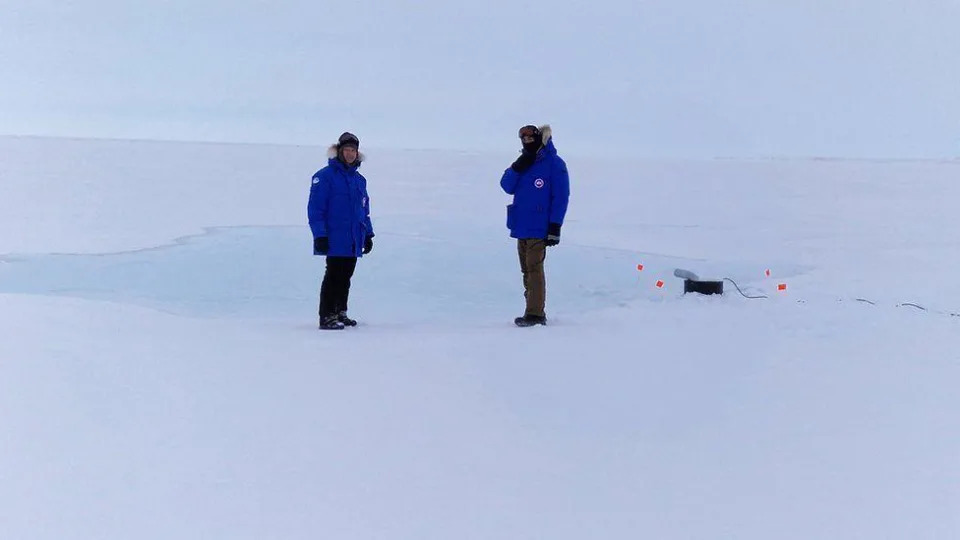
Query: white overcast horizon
[(847, 78)]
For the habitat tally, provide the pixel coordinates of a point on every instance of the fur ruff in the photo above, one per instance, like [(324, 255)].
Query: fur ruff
[(546, 133), (332, 153)]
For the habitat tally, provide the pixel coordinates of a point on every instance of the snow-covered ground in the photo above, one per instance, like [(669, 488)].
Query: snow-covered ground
[(161, 375)]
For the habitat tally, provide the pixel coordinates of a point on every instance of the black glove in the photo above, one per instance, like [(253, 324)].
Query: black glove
[(553, 234), (524, 162), (368, 245), (321, 244)]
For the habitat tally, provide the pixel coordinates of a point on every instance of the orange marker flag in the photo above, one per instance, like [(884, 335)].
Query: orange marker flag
[(782, 287)]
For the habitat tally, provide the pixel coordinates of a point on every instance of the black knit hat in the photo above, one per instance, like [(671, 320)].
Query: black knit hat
[(348, 139)]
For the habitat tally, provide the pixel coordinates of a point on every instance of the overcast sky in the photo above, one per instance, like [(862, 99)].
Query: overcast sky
[(699, 78)]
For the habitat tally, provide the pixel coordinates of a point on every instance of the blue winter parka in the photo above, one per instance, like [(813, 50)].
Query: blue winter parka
[(339, 208), (540, 194)]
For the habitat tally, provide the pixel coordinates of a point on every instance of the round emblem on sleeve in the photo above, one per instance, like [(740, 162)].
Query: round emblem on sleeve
[(538, 182)]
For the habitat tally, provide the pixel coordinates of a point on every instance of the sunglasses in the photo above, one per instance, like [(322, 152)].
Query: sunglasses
[(529, 131)]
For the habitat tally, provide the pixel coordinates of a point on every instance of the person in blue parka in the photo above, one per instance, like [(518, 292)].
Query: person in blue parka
[(339, 215), (540, 185)]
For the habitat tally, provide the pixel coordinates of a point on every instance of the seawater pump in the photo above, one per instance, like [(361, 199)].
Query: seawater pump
[(693, 284)]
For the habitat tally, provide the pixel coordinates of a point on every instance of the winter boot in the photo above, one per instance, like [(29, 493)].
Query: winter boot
[(530, 320), (330, 322), (347, 321)]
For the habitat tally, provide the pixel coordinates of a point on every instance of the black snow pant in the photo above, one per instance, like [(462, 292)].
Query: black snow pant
[(336, 285)]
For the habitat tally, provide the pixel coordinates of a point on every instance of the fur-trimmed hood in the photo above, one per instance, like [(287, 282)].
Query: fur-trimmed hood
[(333, 150), (546, 141), (546, 133)]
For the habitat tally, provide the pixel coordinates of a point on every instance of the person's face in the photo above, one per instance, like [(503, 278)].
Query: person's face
[(349, 154), (528, 135)]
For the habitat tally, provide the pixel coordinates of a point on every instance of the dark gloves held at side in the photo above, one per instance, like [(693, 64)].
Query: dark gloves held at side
[(524, 162), (553, 234), (321, 244)]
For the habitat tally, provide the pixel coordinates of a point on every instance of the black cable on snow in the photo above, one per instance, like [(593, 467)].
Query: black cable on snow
[(741, 292), (864, 300)]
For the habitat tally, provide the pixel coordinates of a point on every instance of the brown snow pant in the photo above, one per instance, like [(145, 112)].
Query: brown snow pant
[(532, 253)]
